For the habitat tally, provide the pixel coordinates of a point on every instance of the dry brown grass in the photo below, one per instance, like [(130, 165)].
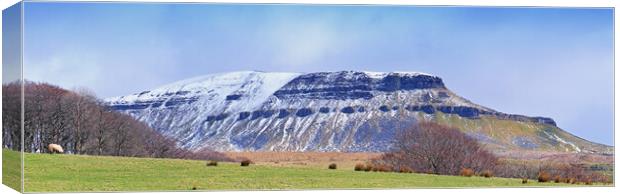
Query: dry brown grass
[(557, 157), (305, 159)]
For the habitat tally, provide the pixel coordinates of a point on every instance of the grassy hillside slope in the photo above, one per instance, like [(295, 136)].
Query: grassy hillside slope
[(504, 135), (57, 173)]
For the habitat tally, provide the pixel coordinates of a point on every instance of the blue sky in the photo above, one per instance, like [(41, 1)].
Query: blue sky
[(554, 62), (11, 36)]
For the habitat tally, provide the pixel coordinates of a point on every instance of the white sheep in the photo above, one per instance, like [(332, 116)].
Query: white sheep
[(55, 148)]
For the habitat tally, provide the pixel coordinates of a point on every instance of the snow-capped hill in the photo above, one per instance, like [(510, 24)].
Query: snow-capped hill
[(224, 91), (327, 111)]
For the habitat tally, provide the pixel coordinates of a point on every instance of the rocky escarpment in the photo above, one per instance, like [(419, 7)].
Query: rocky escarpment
[(327, 111), (353, 85)]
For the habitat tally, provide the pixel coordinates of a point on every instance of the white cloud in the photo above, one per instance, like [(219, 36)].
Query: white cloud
[(69, 70)]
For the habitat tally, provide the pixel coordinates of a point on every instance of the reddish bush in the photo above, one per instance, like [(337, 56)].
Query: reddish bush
[(543, 177), (404, 169), (380, 168), (332, 166), (487, 173), (466, 172), (557, 179), (438, 149), (359, 167)]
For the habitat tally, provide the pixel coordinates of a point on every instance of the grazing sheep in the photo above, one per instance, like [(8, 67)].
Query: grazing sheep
[(53, 148)]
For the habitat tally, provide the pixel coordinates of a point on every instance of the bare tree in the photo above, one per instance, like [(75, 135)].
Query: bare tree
[(434, 148), (120, 135), (80, 106), (11, 115)]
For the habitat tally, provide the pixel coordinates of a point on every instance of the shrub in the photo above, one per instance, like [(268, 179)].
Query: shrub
[(572, 180), (368, 167), (404, 169), (487, 173), (588, 181), (468, 172), (563, 180), (543, 177), (359, 167), (516, 169), (598, 177), (438, 149), (380, 168), (246, 162), (212, 163), (387, 169), (332, 166), (558, 172), (524, 180), (557, 179)]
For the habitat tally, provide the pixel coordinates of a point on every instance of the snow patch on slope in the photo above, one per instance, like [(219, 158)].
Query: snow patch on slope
[(253, 89), (555, 137)]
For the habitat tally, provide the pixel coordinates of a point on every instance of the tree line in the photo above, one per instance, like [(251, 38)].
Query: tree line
[(82, 124)]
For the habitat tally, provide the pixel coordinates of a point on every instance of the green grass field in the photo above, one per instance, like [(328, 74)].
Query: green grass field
[(11, 169), (65, 173)]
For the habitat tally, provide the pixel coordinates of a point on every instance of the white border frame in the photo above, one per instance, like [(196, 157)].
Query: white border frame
[(497, 3)]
